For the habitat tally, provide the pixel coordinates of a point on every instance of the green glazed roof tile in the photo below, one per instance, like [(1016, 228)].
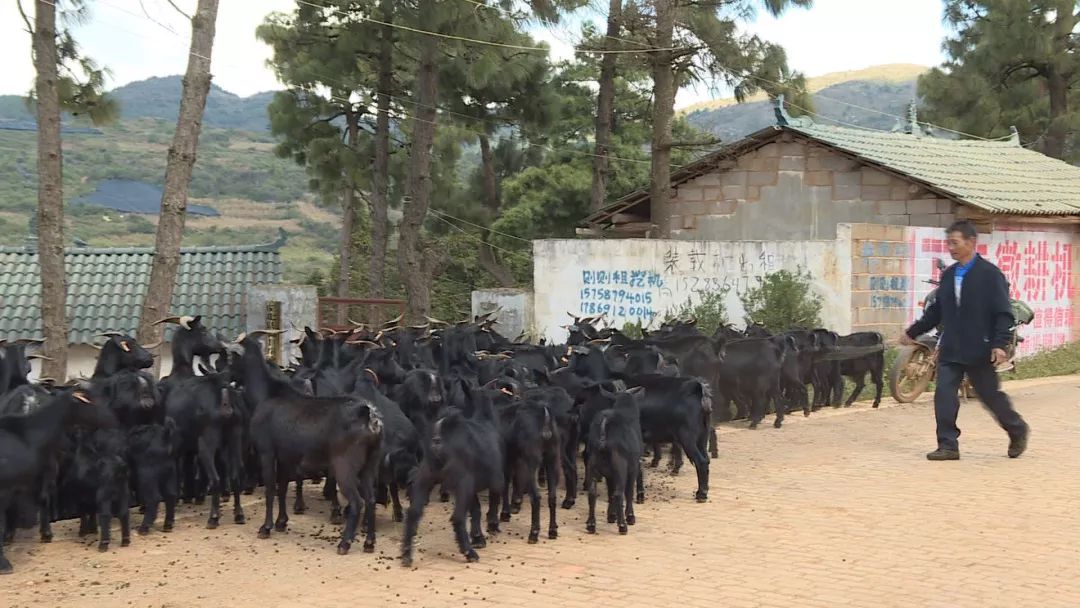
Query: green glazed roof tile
[(106, 287)]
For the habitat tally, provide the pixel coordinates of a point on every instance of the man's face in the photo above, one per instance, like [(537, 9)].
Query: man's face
[(960, 248)]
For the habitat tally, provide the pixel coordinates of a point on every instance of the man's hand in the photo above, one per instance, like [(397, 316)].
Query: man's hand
[(906, 340), (998, 356)]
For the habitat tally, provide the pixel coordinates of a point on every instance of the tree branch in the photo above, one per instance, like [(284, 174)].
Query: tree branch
[(26, 20), (177, 8)]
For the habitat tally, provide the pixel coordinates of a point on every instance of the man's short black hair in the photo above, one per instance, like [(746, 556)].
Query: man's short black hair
[(964, 227)]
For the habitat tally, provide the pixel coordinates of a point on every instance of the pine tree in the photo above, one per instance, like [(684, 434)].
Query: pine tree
[(1010, 63)]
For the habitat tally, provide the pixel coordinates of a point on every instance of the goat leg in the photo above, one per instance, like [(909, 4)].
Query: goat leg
[(104, 519), (299, 507), (493, 513), (628, 492), (208, 446), (396, 499), (590, 482), (269, 475), (367, 491), (123, 513), (534, 503), (552, 468), (419, 493), (282, 521), (476, 533), (5, 565), (463, 498)]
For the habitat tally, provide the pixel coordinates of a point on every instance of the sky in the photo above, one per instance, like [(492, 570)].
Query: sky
[(835, 35)]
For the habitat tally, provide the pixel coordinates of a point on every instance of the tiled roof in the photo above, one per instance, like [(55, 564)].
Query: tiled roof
[(106, 287), (997, 176)]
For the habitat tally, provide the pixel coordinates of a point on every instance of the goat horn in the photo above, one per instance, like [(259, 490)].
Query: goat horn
[(434, 321), (42, 357), (365, 343), (96, 346), (167, 320), (395, 320), (154, 345), (266, 332), (110, 334)]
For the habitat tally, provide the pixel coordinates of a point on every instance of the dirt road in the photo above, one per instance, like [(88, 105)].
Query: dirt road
[(840, 509)]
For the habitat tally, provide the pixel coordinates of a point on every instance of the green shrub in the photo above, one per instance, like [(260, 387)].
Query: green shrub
[(709, 312), (783, 300)]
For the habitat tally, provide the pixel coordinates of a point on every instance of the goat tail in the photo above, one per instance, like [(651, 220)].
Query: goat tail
[(547, 431), (700, 387)]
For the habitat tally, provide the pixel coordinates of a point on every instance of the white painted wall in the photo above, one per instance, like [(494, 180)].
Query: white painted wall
[(82, 358), (515, 309), (640, 279)]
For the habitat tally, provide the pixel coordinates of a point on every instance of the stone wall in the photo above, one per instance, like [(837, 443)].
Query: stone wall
[(797, 190)]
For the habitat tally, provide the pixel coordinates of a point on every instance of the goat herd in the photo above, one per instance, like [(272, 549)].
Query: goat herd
[(378, 410)]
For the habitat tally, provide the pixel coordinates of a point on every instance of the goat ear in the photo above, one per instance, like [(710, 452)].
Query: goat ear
[(124, 346), (81, 396)]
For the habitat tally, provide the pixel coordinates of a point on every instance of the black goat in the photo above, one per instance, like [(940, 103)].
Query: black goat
[(119, 352), (152, 448), (465, 456), (615, 448), (531, 441), (97, 484), (26, 447), (296, 434)]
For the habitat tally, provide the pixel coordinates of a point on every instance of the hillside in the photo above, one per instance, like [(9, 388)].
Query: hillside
[(885, 92), (159, 98), (240, 191)]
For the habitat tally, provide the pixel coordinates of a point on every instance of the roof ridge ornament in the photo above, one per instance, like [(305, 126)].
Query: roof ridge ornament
[(1014, 136), (784, 119)]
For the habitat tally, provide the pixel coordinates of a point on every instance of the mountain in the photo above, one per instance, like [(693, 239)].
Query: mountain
[(159, 98), (875, 98)]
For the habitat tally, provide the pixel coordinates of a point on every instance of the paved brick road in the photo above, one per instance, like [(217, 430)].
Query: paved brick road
[(838, 510)]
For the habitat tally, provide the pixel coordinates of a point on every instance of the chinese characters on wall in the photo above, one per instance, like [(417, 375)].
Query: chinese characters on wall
[(1037, 265)]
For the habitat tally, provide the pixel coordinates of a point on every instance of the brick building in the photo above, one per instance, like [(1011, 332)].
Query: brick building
[(882, 198)]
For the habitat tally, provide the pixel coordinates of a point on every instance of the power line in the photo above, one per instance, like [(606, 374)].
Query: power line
[(509, 236), (481, 241), (516, 47), (510, 13)]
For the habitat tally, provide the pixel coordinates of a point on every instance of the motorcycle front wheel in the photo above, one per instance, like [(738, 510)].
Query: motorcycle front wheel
[(911, 373)]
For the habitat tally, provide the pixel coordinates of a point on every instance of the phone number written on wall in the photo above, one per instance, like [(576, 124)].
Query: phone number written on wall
[(619, 293)]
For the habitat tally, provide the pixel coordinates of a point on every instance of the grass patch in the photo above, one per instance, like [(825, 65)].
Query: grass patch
[(1060, 361)]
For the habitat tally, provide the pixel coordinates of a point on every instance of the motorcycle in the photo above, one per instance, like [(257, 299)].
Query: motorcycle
[(916, 366)]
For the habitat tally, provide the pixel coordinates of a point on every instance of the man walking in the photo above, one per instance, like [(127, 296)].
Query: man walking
[(973, 302)]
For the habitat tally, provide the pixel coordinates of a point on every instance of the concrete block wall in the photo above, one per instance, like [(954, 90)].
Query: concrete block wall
[(797, 190), (881, 285)]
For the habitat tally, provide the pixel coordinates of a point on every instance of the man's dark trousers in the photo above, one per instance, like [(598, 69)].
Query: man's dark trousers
[(984, 379)]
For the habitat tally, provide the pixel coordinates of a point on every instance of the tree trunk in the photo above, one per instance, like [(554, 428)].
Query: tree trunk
[(1058, 130), (348, 221), (605, 105), (487, 258), (50, 194), (413, 263), (663, 111), (178, 170), (1057, 83), (380, 194)]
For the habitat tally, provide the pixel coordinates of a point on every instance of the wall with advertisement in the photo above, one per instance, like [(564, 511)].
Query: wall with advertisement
[(1038, 266)]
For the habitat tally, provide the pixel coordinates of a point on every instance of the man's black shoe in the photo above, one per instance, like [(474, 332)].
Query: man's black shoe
[(943, 454), (1018, 444)]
